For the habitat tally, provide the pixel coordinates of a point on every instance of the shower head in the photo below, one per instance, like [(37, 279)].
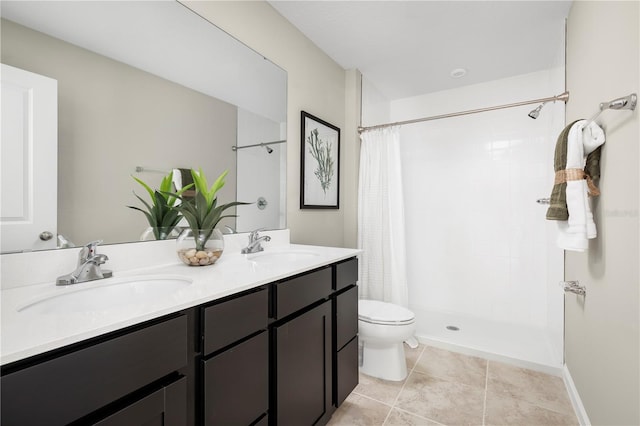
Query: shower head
[(536, 112), (267, 147)]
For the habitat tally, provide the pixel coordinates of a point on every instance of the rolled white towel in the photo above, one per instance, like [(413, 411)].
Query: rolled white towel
[(575, 233)]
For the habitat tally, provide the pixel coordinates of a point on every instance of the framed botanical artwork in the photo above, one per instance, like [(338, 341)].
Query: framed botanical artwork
[(320, 163)]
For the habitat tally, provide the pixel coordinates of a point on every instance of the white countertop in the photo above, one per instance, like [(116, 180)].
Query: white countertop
[(28, 332)]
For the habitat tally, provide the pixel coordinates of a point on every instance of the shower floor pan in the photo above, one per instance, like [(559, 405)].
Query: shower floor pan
[(519, 345)]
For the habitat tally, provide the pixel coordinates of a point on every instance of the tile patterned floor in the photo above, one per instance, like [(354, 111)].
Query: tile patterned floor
[(447, 388)]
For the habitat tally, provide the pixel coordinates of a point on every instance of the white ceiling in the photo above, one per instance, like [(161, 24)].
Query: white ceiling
[(408, 48)]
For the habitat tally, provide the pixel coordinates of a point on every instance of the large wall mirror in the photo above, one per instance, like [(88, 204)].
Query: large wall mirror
[(143, 88)]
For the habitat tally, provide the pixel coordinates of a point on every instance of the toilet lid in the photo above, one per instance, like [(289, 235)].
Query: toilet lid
[(377, 312)]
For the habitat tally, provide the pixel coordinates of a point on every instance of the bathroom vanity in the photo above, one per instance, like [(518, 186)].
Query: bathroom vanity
[(281, 350)]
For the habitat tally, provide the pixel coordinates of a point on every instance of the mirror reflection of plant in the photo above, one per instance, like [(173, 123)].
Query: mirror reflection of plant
[(160, 214), (202, 212), (321, 151)]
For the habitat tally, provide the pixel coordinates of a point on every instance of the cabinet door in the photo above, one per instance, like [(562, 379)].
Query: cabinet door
[(164, 407), (236, 383), (303, 368), (346, 317)]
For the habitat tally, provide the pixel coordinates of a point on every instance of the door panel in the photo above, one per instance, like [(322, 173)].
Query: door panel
[(29, 155)]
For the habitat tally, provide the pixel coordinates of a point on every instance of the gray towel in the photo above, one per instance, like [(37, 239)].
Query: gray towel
[(558, 201)]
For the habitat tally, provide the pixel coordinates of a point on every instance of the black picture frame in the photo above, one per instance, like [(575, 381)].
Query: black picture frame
[(319, 163)]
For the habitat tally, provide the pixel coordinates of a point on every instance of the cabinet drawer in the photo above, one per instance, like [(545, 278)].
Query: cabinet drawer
[(236, 383), (346, 273), (346, 372), (297, 293), (71, 386), (346, 316), (166, 406), (230, 321)]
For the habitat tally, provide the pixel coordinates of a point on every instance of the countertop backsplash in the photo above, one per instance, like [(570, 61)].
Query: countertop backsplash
[(37, 267)]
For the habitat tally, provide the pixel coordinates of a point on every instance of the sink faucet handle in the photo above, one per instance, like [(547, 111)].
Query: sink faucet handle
[(98, 259), (254, 235), (89, 250)]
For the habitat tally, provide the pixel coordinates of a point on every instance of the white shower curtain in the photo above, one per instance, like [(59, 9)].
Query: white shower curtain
[(381, 232)]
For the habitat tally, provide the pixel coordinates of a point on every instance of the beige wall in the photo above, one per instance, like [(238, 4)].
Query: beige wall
[(112, 118), (353, 111), (602, 330), (316, 84)]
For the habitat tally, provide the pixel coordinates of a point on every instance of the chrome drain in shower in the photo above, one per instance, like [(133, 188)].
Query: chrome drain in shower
[(453, 328)]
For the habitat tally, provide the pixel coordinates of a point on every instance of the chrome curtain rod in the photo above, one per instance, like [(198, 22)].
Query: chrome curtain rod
[(235, 148), (564, 97)]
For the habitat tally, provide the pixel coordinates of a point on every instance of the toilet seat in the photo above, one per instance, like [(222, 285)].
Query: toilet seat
[(376, 312)]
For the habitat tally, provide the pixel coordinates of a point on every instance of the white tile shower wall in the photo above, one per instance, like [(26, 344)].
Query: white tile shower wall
[(478, 243), (259, 173)]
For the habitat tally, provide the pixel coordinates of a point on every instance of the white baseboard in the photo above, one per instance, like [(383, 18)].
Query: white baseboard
[(581, 413)]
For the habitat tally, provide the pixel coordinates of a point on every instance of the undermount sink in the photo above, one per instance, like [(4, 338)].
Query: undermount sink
[(101, 295), (282, 256)]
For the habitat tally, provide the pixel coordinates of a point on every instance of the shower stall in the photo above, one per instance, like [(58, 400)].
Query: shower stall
[(482, 264), (261, 158)]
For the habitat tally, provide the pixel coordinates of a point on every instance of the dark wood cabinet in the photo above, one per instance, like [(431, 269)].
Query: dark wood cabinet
[(164, 407), (226, 322), (236, 383), (346, 274), (314, 344), (345, 371), (281, 354), (235, 361), (346, 304), (90, 380), (300, 292), (303, 368)]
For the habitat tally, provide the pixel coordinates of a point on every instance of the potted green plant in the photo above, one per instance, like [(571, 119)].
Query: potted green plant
[(160, 213), (202, 244)]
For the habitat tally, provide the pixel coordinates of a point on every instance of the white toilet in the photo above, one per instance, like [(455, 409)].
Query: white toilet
[(382, 329)]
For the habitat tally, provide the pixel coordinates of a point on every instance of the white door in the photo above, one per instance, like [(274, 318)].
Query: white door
[(29, 161)]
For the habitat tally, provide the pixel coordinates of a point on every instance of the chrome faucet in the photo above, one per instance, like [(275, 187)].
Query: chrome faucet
[(255, 242), (88, 268)]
